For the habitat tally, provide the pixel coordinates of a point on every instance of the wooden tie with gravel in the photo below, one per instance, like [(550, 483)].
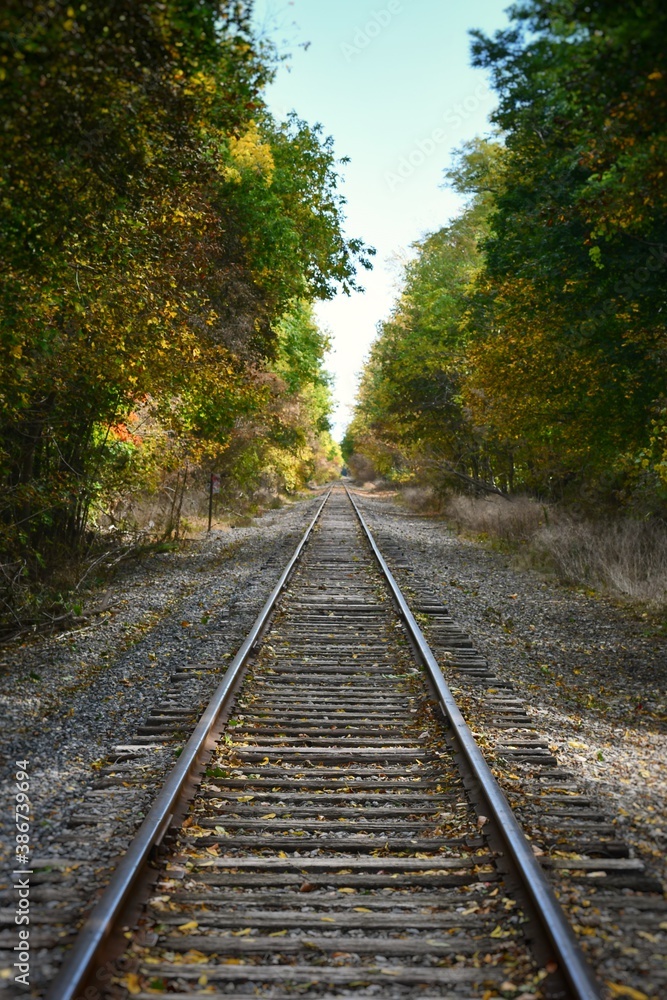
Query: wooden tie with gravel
[(343, 842), (331, 849)]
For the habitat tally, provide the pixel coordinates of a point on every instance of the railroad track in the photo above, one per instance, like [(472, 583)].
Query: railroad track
[(346, 837)]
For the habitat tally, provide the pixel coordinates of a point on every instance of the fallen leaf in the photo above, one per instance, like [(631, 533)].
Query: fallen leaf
[(498, 932), (618, 990), (191, 925), (132, 983)]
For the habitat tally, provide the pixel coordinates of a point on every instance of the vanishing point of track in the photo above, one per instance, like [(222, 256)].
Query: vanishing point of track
[(331, 828)]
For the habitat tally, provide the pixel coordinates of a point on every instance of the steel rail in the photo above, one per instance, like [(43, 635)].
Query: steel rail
[(82, 963), (567, 954)]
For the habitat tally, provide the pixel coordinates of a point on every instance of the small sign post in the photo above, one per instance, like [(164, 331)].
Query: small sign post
[(214, 487)]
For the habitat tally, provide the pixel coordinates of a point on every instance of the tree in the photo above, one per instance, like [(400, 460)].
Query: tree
[(570, 361), (155, 224), (411, 412)]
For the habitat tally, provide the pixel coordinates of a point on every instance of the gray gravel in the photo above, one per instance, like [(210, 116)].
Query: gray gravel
[(67, 699)]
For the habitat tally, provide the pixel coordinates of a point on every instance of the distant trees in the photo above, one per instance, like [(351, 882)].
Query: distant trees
[(161, 237), (553, 341)]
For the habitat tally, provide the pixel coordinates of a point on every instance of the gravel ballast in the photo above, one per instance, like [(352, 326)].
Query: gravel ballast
[(591, 671), (67, 699)]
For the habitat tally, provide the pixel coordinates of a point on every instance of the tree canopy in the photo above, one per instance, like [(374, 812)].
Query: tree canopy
[(556, 325), (162, 236)]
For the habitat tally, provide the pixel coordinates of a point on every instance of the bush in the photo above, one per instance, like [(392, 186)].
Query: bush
[(422, 499), (361, 467)]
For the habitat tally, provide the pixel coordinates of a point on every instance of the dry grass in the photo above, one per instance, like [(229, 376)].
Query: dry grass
[(623, 556), (620, 556), (515, 520)]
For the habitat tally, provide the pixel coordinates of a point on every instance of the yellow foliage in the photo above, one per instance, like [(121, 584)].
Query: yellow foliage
[(249, 154)]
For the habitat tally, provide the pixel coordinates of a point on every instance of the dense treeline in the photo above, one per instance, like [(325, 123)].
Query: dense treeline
[(162, 238), (528, 349)]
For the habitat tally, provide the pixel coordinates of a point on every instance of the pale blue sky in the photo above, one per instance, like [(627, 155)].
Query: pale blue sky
[(392, 82)]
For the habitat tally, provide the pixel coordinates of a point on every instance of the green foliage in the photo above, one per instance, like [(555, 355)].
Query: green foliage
[(155, 225), (410, 412), (535, 357), (570, 362)]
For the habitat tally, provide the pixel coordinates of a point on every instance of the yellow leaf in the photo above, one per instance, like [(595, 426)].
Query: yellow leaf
[(268, 816), (327, 920), (618, 990), (362, 909), (347, 889), (243, 933), (278, 934), (498, 932), (194, 957), (191, 925), (132, 983)]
